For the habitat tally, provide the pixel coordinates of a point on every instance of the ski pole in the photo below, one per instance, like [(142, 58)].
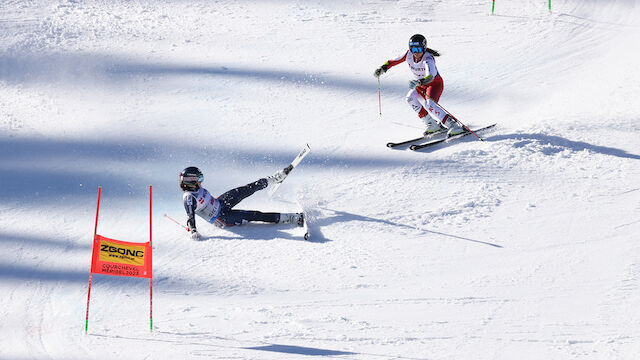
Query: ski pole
[(460, 122), (379, 97), (467, 128), (182, 226)]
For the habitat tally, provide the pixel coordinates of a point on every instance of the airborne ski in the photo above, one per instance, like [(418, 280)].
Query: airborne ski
[(407, 142), (304, 152), (447, 139)]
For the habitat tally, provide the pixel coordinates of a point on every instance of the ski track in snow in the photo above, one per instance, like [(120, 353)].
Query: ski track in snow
[(521, 246)]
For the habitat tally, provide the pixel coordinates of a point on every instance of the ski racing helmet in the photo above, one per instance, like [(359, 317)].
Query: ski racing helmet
[(418, 43), (190, 178)]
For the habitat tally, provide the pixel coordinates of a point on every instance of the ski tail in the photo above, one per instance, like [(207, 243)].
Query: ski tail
[(410, 141), (303, 153)]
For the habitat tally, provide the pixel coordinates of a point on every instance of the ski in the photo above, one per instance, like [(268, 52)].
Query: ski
[(447, 139), (407, 142), (303, 153)]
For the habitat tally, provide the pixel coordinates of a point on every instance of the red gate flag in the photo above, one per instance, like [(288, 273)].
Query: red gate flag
[(121, 258)]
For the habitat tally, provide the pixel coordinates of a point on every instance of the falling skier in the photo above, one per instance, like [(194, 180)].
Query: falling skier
[(219, 211), (427, 86)]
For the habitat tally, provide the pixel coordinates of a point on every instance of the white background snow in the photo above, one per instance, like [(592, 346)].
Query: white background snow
[(524, 246)]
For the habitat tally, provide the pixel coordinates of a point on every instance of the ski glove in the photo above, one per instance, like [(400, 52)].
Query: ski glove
[(381, 70), (421, 82)]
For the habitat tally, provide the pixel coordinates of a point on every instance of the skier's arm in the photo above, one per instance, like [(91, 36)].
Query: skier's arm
[(389, 64), (431, 70), (190, 208)]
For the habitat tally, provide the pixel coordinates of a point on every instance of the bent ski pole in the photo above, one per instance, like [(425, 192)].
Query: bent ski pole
[(182, 226)]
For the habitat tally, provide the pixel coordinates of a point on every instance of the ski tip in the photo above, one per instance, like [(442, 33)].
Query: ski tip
[(307, 236)]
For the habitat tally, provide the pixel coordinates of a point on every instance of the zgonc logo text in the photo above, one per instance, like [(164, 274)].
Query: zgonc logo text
[(121, 251)]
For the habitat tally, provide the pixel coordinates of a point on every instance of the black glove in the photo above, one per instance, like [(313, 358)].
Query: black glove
[(381, 70)]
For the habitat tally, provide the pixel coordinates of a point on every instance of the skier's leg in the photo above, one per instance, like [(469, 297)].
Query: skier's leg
[(232, 197), (239, 217), (435, 88), (447, 121), (413, 98)]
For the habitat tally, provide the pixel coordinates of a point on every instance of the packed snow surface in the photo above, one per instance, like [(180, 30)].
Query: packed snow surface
[(523, 246)]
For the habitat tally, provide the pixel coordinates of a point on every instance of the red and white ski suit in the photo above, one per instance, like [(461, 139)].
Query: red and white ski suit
[(429, 93)]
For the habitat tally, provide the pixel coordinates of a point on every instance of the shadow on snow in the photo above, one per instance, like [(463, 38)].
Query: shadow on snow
[(561, 143), (299, 350), (35, 68), (345, 216), (54, 169)]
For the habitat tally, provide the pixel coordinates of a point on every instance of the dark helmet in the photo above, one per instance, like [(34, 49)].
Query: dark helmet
[(416, 42), (189, 179)]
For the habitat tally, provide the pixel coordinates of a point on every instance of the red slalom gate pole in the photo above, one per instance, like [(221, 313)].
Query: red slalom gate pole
[(86, 321), (150, 259), (95, 232)]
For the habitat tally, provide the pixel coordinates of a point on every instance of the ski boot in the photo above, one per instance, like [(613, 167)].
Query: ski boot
[(279, 177), (432, 125), (453, 126)]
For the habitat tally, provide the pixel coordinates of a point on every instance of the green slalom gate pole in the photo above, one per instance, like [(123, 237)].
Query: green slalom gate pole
[(549, 5), (493, 6)]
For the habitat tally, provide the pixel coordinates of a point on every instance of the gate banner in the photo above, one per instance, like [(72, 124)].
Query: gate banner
[(121, 258)]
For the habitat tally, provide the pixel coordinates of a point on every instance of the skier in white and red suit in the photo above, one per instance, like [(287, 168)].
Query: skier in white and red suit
[(426, 87)]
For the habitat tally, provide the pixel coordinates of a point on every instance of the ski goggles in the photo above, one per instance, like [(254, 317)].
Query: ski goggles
[(417, 49), (188, 179)]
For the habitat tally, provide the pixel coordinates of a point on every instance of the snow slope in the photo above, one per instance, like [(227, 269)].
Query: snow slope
[(522, 246)]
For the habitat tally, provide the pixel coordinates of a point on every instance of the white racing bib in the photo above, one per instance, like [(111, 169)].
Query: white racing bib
[(207, 207), (421, 69)]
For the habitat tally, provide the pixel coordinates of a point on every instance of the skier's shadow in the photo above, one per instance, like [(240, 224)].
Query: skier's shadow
[(557, 144), (258, 231), (343, 216)]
